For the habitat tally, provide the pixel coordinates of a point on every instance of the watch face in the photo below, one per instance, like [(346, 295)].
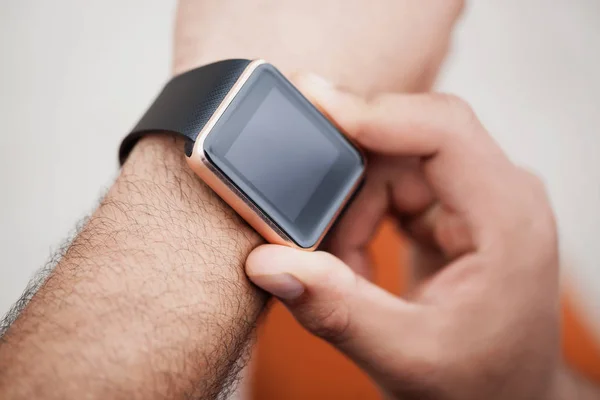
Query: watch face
[(288, 159)]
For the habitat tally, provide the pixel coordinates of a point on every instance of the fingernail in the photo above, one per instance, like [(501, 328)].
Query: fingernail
[(317, 85), (319, 82), (283, 286)]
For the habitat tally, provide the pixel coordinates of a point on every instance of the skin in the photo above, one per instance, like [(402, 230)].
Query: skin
[(150, 299), (482, 319)]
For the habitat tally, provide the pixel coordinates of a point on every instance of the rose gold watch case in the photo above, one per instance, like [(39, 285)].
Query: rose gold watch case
[(222, 186)]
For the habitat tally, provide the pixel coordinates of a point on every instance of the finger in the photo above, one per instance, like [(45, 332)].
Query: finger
[(392, 183), (352, 233), (331, 301), (410, 193), (441, 237), (442, 228), (466, 169)]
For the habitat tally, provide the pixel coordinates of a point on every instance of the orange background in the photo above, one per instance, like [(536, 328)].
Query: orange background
[(293, 365)]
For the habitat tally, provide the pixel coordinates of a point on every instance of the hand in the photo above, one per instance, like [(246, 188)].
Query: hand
[(484, 325), (152, 290)]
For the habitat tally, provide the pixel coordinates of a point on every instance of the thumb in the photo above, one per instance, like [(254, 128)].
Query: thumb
[(333, 302)]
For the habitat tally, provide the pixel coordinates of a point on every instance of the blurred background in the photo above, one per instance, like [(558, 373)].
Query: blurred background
[(75, 76)]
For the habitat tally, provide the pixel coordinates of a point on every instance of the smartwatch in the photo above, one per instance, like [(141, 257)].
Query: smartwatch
[(262, 146)]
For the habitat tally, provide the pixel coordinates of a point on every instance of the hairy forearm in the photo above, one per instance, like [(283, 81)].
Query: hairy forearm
[(150, 301)]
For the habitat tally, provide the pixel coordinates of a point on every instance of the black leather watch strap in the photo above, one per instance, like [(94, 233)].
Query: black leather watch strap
[(186, 103)]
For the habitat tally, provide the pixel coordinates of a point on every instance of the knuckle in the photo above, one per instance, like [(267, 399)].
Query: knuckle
[(538, 209), (457, 104), (539, 190), (459, 110), (532, 178), (330, 323), (381, 98), (329, 318), (375, 104), (536, 188)]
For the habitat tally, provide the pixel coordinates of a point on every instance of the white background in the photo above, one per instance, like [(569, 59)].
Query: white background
[(75, 76)]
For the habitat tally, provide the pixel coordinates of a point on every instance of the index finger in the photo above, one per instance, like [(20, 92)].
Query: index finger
[(464, 166)]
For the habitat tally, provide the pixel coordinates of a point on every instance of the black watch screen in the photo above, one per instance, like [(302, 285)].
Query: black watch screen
[(285, 155)]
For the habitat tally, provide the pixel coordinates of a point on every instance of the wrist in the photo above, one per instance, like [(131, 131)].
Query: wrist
[(195, 236), (152, 288), (156, 177)]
